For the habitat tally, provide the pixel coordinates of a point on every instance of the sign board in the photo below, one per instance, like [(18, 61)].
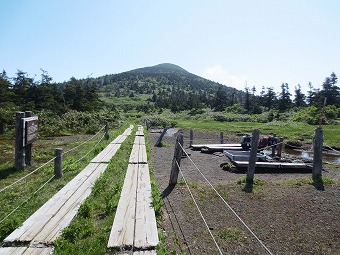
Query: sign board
[(30, 130)]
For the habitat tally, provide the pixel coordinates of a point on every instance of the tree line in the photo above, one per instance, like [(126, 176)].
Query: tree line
[(26, 93)]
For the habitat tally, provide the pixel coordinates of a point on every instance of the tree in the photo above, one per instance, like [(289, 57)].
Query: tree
[(220, 99), (310, 94), (22, 83), (284, 101), (299, 99), (269, 98), (330, 91), (6, 94), (247, 103)]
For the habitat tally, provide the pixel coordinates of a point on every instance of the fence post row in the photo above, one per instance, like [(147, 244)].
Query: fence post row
[(176, 162), (58, 171), (317, 157)]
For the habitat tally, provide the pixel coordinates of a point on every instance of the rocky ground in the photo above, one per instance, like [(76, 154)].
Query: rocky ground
[(287, 215)]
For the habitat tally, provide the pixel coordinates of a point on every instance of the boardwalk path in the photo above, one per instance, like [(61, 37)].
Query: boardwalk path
[(39, 231), (134, 227)]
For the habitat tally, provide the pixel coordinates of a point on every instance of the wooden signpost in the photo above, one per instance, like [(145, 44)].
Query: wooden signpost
[(26, 129)]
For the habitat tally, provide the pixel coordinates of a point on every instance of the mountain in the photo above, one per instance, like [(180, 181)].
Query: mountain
[(161, 68), (166, 86)]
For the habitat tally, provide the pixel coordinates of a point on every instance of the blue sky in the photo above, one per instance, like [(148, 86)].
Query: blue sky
[(258, 43)]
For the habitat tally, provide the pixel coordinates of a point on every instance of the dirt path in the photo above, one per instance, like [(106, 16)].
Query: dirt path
[(288, 219)]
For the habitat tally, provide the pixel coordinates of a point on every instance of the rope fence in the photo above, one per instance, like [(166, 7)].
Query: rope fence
[(199, 210), (16, 208), (51, 160), (219, 195)]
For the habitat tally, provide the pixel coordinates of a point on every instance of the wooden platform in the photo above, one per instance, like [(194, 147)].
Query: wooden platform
[(216, 147), (25, 251), (273, 165), (235, 155), (47, 223), (134, 226)]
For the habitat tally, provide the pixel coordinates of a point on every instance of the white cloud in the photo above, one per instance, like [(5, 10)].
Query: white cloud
[(218, 74)]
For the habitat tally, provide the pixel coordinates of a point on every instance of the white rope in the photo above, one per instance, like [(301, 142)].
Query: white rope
[(15, 209), (332, 149), (200, 212), (227, 203), (84, 142), (101, 139), (24, 177)]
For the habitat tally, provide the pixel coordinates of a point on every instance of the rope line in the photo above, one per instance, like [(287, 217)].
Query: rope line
[(101, 139), (332, 149), (200, 212), (84, 142), (15, 209), (238, 217), (24, 177)]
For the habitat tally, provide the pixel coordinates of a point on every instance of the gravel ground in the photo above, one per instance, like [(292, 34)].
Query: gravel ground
[(288, 219)]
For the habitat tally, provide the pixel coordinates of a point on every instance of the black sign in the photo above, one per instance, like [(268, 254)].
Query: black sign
[(30, 129)]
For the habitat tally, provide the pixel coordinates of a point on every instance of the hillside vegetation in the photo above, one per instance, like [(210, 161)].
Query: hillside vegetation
[(81, 105)]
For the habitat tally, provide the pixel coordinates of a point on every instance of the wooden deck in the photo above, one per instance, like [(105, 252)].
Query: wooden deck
[(273, 165), (25, 251), (47, 223), (134, 226), (216, 147)]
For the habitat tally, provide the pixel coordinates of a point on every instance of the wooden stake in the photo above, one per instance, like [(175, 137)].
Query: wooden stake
[(253, 155), (19, 142), (317, 157), (28, 147), (159, 141), (221, 138), (58, 171), (191, 139), (176, 162), (107, 136), (279, 147)]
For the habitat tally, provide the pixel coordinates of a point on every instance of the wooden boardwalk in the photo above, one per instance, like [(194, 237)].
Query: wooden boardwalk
[(46, 224), (134, 226)]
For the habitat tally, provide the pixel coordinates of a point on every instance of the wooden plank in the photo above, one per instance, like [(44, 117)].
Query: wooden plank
[(107, 158), (12, 250), (140, 140), (217, 145), (67, 212), (146, 235), (134, 154), (273, 165), (25, 251), (119, 139), (123, 227), (38, 225), (36, 222)]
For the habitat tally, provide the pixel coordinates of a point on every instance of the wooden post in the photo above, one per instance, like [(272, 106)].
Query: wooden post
[(58, 171), (159, 141), (317, 157), (28, 147), (107, 131), (253, 155), (177, 158), (221, 138), (19, 142), (191, 138), (279, 147)]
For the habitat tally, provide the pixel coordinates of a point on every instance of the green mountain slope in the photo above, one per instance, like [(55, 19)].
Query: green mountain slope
[(164, 86)]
